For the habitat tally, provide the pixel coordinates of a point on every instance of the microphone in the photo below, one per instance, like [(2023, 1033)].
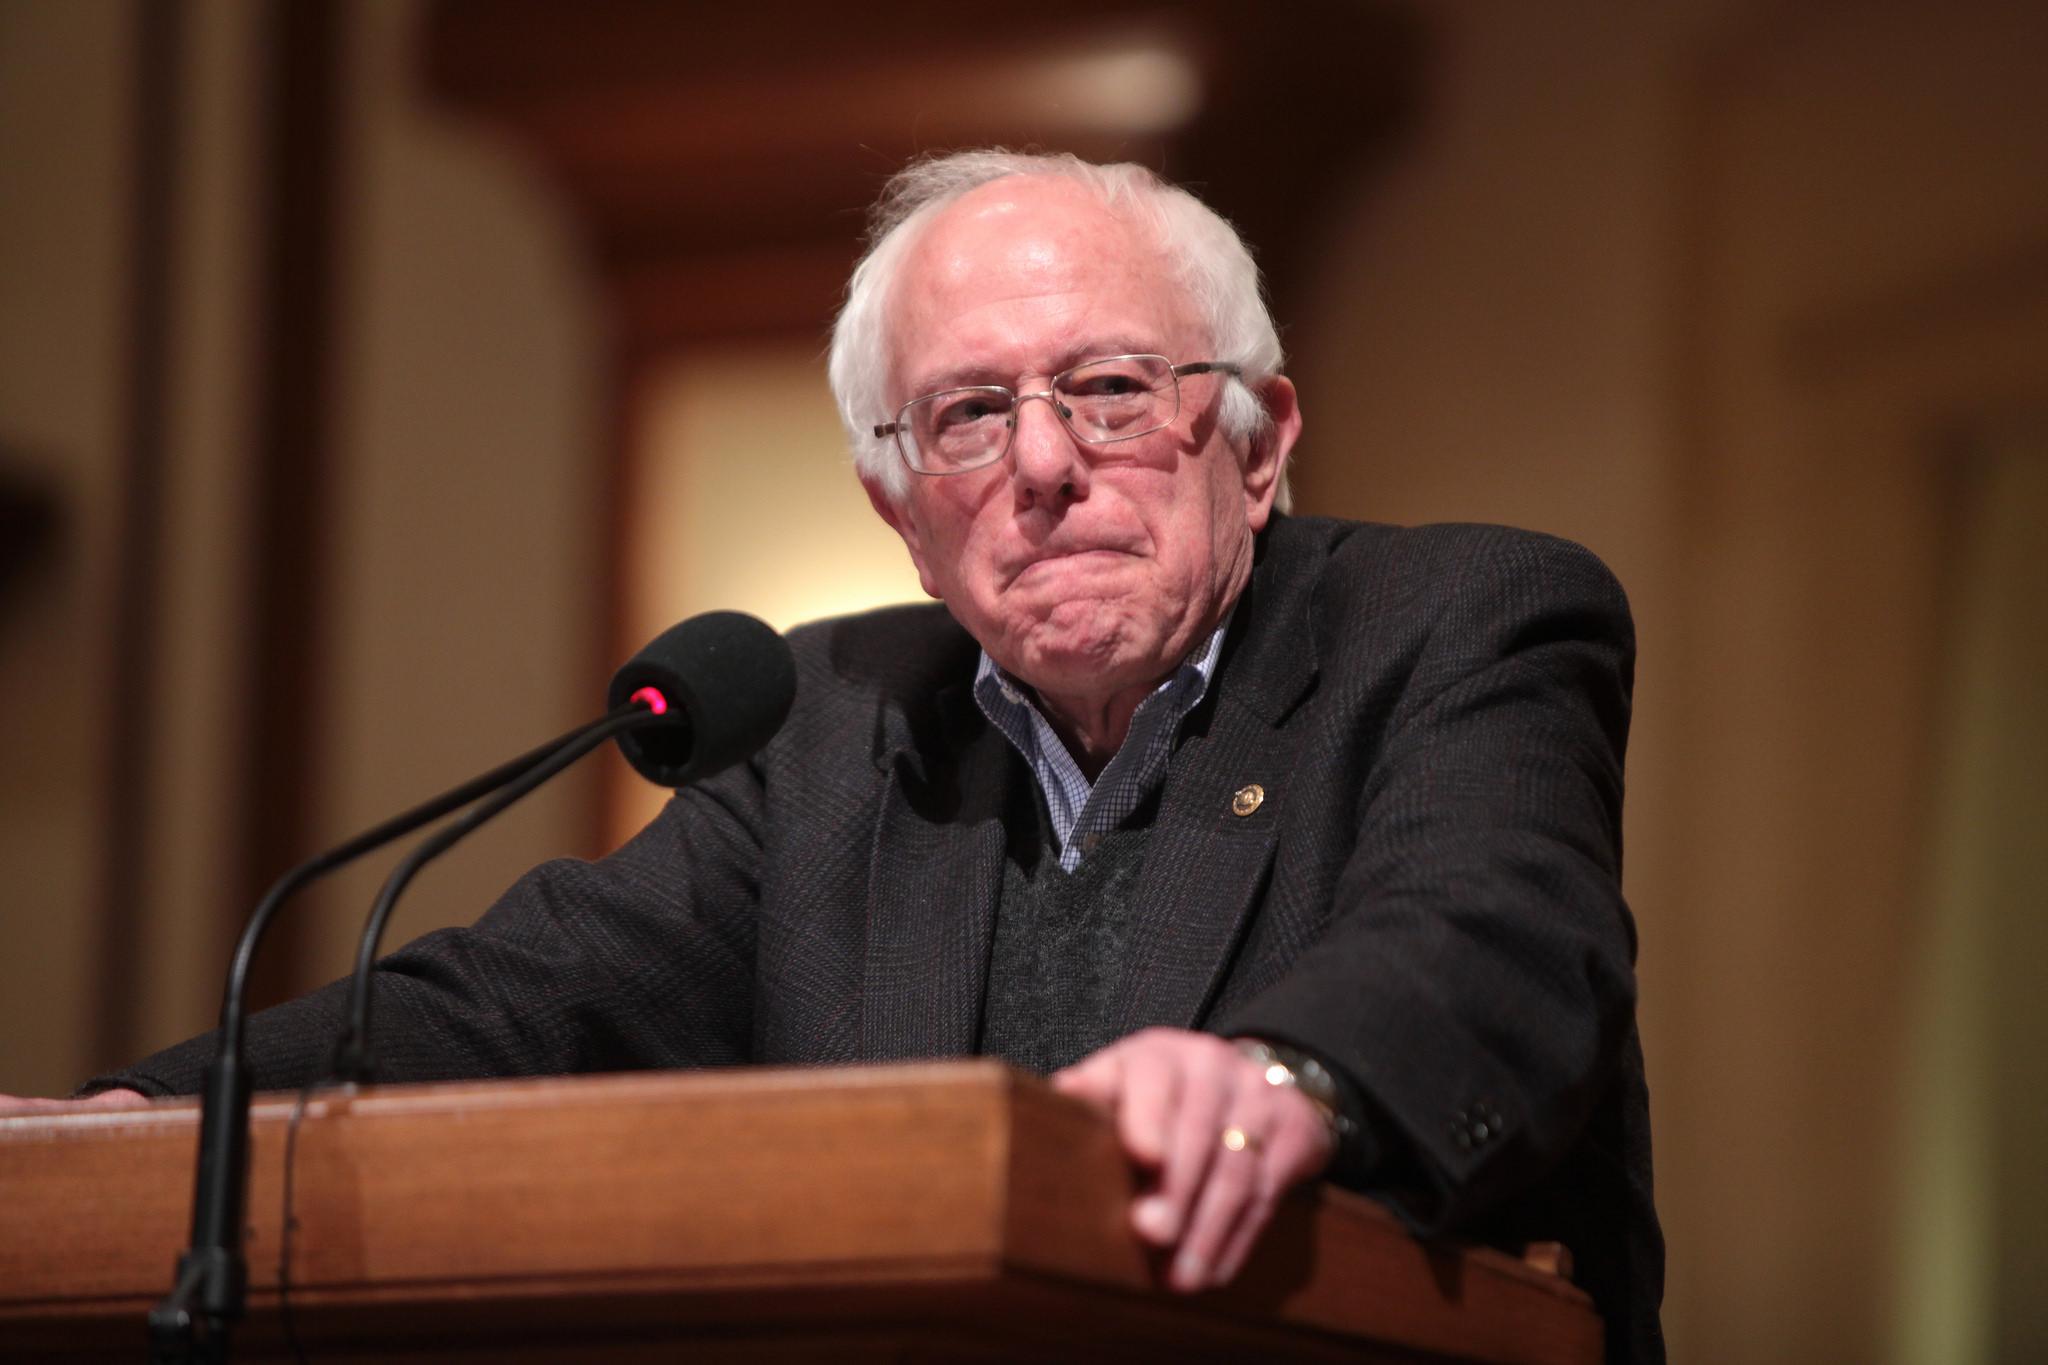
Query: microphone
[(702, 696), (673, 685), (728, 681)]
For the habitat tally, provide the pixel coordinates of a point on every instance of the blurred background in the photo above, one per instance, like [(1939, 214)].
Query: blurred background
[(374, 375)]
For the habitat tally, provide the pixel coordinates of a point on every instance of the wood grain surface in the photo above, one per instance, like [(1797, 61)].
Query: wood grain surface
[(937, 1211)]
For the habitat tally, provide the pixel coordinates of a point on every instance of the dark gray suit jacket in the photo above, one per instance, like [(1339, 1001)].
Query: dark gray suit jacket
[(1428, 897)]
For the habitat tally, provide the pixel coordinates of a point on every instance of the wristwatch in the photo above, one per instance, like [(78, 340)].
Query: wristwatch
[(1303, 1074)]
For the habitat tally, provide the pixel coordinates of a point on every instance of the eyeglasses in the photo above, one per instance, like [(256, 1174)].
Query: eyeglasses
[(1116, 399)]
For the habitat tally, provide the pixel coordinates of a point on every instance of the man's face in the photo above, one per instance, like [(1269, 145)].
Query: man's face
[(1085, 570)]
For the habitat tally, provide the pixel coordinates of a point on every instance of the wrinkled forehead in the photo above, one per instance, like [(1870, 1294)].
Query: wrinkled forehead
[(1023, 259)]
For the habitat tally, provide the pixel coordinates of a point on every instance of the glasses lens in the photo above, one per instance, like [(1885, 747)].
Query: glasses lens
[(1118, 398), (958, 429)]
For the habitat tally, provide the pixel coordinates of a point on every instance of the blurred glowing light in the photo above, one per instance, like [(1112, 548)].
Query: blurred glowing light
[(1143, 88)]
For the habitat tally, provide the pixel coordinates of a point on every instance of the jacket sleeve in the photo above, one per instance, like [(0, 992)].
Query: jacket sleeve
[(1475, 985), (642, 959)]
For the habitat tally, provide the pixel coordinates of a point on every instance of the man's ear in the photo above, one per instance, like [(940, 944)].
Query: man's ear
[(1265, 460), (903, 524)]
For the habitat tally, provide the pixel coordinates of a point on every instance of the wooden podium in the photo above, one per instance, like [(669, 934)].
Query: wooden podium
[(942, 1211)]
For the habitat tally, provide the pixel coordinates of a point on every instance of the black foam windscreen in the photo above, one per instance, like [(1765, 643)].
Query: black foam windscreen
[(727, 681)]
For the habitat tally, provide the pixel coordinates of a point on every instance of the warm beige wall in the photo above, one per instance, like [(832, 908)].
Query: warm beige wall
[(1493, 338), (1865, 292), (743, 498), (64, 160), (197, 740), (2013, 861), (468, 435), (465, 622), (1707, 288), (1975, 1126), (1493, 342)]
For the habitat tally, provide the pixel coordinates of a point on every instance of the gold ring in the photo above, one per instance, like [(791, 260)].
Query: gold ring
[(1236, 1139)]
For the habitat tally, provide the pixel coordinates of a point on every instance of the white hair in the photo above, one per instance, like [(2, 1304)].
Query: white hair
[(1211, 261)]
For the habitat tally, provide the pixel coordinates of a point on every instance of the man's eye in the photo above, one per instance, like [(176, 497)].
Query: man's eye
[(965, 412), (1105, 386)]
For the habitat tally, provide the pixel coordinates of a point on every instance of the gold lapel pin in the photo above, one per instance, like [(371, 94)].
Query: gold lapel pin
[(1248, 799)]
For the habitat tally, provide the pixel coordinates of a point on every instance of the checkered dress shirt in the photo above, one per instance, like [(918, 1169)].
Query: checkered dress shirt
[(1082, 812)]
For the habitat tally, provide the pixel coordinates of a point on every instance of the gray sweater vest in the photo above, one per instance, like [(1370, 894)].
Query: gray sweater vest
[(1060, 939)]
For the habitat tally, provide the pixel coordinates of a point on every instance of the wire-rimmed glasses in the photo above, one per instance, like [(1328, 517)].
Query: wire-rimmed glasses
[(1117, 398)]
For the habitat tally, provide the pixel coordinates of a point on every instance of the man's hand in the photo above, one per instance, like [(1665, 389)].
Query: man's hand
[(106, 1099), (1225, 1144)]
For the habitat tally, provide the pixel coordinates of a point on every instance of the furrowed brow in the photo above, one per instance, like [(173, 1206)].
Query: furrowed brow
[(960, 377), (973, 375)]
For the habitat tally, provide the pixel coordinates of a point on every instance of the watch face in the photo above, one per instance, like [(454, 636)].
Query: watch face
[(1305, 1075)]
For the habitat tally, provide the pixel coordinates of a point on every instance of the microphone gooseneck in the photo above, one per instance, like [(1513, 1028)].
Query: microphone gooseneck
[(707, 692), (703, 695), (353, 1062), (211, 1275)]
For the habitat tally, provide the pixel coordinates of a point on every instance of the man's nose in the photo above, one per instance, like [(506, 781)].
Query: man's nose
[(1046, 462)]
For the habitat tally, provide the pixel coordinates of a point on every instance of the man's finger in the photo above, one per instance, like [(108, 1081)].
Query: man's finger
[(1232, 1183), (1252, 1219), (1152, 1088), (1097, 1078), (1280, 1172), (1298, 1148), (1194, 1141)]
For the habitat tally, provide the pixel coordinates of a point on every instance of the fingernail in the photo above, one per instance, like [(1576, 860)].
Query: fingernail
[(1154, 1217), (1189, 1272)]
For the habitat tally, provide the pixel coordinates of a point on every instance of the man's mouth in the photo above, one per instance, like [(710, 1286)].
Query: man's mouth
[(1078, 557)]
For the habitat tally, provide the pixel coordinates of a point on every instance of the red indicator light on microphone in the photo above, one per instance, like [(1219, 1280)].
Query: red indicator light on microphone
[(656, 703)]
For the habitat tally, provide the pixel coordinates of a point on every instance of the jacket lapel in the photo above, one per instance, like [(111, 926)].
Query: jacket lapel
[(1219, 814), (935, 874), (937, 862)]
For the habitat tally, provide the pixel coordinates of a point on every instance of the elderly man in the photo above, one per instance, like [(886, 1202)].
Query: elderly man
[(1293, 844)]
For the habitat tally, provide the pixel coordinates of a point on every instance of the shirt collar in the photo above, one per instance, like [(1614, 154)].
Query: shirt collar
[(1081, 811), (1003, 696)]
